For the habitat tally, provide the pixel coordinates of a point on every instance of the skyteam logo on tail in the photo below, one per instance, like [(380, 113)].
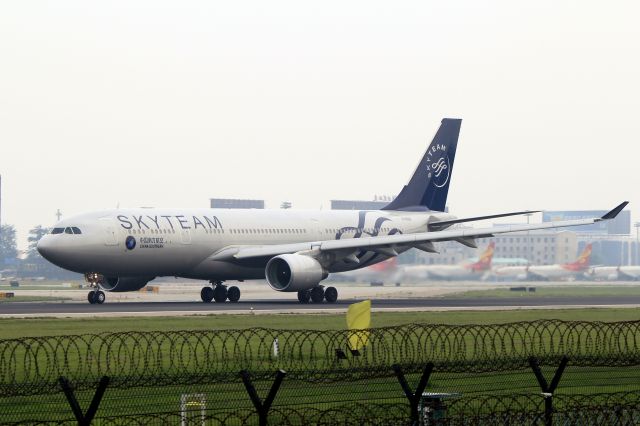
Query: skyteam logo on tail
[(438, 165)]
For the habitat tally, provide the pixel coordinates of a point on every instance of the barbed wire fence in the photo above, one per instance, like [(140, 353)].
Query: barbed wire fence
[(516, 373)]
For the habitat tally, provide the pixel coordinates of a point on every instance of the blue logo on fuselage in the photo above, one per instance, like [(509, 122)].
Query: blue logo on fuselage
[(130, 242)]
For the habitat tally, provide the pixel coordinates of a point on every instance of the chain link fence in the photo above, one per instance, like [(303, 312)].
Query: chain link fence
[(542, 372)]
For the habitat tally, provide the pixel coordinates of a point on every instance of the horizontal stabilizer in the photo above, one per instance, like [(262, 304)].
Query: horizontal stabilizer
[(439, 225)]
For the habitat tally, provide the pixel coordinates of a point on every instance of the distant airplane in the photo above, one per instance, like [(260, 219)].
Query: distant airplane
[(548, 272), (124, 249), (463, 271), (379, 273), (614, 273)]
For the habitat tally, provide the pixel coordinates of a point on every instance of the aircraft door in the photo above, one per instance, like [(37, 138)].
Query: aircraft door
[(314, 229), (109, 231)]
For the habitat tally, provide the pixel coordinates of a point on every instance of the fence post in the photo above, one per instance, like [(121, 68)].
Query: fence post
[(548, 389), (86, 418), (414, 397), (262, 407)]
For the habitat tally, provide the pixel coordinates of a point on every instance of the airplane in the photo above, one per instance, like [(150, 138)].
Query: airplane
[(464, 271), (124, 249), (569, 270), (614, 273)]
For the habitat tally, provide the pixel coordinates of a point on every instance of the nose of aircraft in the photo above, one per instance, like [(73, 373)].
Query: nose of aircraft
[(45, 247)]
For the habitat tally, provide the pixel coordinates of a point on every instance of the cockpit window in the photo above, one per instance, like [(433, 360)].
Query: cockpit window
[(68, 231), (76, 230), (57, 230)]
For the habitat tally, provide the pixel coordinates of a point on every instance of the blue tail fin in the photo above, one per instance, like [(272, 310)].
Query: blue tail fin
[(429, 185)]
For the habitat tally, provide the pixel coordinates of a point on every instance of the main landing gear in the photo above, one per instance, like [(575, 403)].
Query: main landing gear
[(220, 293), (318, 294), (95, 296)]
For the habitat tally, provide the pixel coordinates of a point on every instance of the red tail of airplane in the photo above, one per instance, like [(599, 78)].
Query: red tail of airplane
[(484, 262), (582, 263)]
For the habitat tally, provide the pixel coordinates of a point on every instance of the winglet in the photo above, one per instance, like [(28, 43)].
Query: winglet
[(613, 213)]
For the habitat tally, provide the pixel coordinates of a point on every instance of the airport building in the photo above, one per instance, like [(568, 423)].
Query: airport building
[(621, 225), (232, 203), (358, 204), (539, 247), (612, 250), (449, 253), (613, 244)]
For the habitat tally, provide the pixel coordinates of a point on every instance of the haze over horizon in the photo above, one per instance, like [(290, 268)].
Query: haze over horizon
[(168, 104)]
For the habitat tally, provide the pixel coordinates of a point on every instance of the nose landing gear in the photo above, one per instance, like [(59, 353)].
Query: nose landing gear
[(220, 293), (95, 296)]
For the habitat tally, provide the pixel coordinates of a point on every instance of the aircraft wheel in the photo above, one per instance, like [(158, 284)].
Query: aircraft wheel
[(220, 294), (331, 294), (91, 297), (317, 294), (100, 297), (206, 294), (304, 296), (233, 294)]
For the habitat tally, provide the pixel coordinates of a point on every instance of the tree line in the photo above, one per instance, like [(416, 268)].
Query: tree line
[(29, 263)]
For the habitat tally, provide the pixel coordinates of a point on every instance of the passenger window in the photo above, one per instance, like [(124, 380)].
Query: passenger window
[(57, 230), (76, 230), (68, 231)]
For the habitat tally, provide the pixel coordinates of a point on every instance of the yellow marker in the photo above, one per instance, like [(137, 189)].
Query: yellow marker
[(359, 319)]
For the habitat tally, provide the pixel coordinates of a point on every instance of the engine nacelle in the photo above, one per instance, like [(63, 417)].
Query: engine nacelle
[(293, 272), (121, 284)]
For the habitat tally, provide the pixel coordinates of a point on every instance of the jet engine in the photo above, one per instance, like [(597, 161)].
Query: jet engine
[(119, 284), (293, 272)]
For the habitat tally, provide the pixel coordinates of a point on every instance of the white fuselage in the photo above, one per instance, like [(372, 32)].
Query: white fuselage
[(440, 272), (516, 272), (555, 272), (615, 272), (547, 272), (170, 242)]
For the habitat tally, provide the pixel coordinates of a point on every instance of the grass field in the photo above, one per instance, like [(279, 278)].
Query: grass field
[(155, 398), (543, 290), (320, 395), (15, 328)]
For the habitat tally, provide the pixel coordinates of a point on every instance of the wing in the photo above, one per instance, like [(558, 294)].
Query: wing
[(384, 244)]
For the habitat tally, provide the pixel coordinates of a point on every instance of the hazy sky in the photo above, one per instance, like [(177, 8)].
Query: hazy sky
[(154, 103)]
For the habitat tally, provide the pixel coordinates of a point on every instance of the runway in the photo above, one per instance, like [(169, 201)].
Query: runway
[(72, 309)]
